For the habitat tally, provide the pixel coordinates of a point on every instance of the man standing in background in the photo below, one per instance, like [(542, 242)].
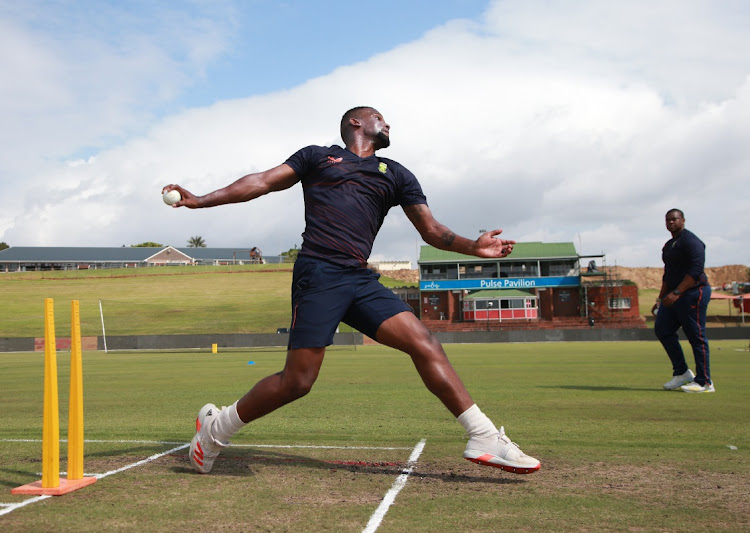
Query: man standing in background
[(683, 302)]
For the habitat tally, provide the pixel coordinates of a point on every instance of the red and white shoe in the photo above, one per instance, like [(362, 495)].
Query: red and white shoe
[(204, 448), (499, 451)]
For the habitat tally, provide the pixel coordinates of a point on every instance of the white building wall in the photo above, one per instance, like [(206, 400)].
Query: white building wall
[(384, 266)]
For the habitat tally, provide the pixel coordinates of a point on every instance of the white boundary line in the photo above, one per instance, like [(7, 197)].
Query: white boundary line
[(390, 496)]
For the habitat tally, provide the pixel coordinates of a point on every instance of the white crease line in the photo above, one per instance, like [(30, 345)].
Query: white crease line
[(390, 497), (319, 447), (10, 507), (169, 443), (142, 461), (101, 441), (14, 506)]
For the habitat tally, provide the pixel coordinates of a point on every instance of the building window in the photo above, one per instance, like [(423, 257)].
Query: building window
[(431, 272), (477, 270), (619, 303), (486, 304), (519, 270), (500, 309), (559, 268)]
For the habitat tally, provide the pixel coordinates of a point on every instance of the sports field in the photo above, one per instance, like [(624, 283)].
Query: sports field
[(618, 453), (178, 300)]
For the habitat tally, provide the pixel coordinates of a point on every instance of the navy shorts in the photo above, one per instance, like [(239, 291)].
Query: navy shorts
[(324, 295)]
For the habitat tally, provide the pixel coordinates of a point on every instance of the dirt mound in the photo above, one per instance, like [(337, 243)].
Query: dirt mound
[(405, 275), (650, 277)]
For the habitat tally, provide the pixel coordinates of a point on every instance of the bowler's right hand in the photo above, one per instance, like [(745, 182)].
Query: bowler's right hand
[(188, 199)]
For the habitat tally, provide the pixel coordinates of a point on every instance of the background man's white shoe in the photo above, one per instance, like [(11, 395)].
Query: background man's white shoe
[(678, 381)]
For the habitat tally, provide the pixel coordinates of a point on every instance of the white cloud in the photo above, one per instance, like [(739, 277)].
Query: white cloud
[(77, 76), (558, 121)]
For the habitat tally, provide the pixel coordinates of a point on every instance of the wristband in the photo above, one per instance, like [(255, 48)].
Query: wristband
[(658, 300)]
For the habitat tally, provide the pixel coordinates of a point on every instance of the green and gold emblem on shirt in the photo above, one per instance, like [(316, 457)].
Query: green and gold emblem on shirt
[(382, 167)]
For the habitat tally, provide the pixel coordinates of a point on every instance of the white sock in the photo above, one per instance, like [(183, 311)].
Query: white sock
[(476, 423), (226, 424)]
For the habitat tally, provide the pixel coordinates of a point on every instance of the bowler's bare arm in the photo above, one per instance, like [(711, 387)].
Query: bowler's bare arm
[(436, 234), (244, 189)]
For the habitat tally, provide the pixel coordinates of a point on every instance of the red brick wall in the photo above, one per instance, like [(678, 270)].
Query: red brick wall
[(599, 295), (431, 304)]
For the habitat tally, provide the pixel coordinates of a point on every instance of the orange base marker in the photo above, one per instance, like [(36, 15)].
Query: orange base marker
[(66, 486)]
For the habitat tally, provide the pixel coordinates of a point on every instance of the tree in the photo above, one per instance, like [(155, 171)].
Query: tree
[(147, 244), (196, 242), (3, 246), (290, 256)]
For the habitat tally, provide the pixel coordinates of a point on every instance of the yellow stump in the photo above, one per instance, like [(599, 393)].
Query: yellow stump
[(50, 483), (214, 348), (75, 409), (51, 420)]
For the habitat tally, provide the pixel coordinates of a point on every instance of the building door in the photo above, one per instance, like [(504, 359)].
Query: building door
[(566, 302)]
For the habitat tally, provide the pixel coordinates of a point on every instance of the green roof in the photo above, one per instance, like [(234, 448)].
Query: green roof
[(521, 251), (499, 293)]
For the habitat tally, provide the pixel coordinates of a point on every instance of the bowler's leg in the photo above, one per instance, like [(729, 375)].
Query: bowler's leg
[(214, 427), (487, 446), (405, 332), (293, 382)]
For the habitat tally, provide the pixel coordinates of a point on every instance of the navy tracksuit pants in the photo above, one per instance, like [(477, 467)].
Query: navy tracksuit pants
[(688, 312)]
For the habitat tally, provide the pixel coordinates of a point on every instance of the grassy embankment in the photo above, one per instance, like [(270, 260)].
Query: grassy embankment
[(172, 300)]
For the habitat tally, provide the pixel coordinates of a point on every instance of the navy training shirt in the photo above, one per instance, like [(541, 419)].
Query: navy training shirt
[(684, 254), (346, 200)]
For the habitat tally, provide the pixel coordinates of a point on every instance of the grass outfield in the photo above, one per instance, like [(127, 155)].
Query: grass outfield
[(168, 300), (171, 300), (618, 453), (151, 301)]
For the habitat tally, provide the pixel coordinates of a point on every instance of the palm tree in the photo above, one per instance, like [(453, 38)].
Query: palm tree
[(196, 242)]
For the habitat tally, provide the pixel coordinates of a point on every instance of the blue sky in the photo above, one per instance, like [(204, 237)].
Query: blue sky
[(278, 45), (221, 50), (556, 120)]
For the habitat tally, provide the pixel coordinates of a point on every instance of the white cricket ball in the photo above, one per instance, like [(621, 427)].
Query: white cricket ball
[(171, 197)]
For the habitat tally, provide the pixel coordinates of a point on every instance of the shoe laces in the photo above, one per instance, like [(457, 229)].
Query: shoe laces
[(211, 446), (503, 438)]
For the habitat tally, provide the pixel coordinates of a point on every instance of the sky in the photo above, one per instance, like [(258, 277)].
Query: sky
[(555, 120)]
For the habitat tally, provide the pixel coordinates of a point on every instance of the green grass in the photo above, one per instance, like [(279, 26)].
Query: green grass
[(720, 312), (618, 453), (151, 301), (169, 300), (173, 300)]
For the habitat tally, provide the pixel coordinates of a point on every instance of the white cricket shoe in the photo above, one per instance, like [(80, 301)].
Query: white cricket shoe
[(697, 387), (499, 451), (677, 381), (204, 448)]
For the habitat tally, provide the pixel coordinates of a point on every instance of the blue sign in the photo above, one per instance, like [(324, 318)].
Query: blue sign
[(501, 283)]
